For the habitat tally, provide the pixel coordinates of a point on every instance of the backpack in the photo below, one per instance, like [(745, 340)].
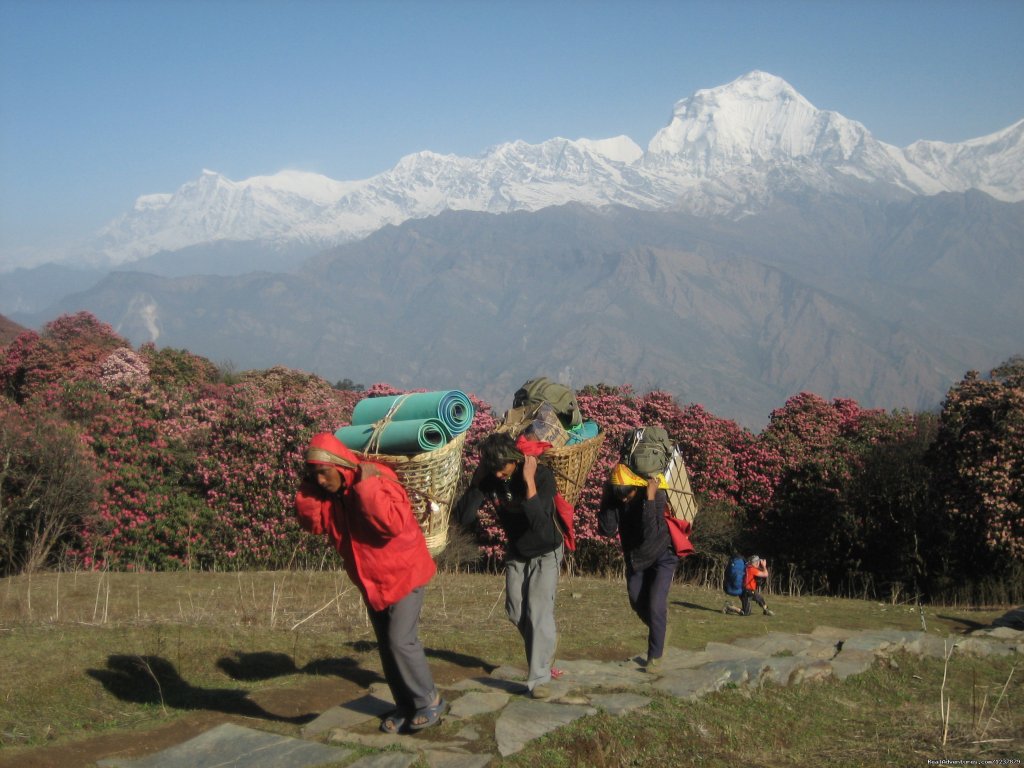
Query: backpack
[(543, 390), (735, 572), (647, 450)]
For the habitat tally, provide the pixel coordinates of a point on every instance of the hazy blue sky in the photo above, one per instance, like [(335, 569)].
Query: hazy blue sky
[(105, 100)]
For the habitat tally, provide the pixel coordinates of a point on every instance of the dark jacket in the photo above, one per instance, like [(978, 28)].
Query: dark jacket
[(529, 524), (640, 524)]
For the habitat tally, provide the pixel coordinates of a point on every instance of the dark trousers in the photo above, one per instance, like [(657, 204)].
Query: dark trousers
[(401, 653), (747, 596), (648, 597)]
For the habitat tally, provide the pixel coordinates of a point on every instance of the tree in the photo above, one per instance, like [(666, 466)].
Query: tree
[(70, 348), (48, 484), (905, 540), (979, 464), (809, 522), (348, 385)]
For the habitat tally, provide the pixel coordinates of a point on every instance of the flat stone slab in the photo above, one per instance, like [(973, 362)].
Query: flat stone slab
[(978, 647), (524, 720), (780, 643), (832, 634), (475, 703), (850, 663), (603, 674), (810, 671), (880, 640), (691, 684), (1003, 633), (346, 715), (675, 659), (232, 746)]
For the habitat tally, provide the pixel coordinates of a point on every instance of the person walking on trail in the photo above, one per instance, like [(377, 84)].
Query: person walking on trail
[(756, 574), (634, 507), (523, 493), (363, 508)]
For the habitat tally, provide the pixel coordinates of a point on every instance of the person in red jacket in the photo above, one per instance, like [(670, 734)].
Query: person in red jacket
[(363, 508), (757, 571)]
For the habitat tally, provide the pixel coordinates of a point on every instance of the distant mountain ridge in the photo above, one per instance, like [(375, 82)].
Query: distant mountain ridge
[(727, 151), (9, 331), (886, 303), (757, 248)]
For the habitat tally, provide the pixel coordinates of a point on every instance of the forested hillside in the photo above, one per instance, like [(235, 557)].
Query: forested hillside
[(143, 458)]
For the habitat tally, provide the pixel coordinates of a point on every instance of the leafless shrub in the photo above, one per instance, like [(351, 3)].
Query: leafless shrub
[(47, 484)]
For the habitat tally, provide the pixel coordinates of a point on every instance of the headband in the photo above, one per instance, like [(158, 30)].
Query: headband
[(323, 456)]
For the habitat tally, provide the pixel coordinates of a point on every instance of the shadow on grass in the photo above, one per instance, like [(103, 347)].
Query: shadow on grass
[(452, 657), (965, 622), (154, 680), (695, 607), (461, 659), (266, 665)]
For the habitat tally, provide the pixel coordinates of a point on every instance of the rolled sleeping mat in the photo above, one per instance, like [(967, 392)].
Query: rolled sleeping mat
[(397, 437), (451, 407)]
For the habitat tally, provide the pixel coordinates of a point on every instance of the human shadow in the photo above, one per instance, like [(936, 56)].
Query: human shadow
[(443, 654), (155, 680), (967, 623), (266, 665), (460, 659), (695, 607)]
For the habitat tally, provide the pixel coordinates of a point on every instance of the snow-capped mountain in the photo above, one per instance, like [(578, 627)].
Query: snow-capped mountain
[(727, 150)]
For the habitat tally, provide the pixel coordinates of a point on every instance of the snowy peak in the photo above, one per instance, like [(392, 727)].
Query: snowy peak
[(756, 119), (994, 163), (726, 151), (621, 149)]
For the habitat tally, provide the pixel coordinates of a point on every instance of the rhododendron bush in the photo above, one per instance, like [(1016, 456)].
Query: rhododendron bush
[(248, 467), (979, 457), (183, 467)]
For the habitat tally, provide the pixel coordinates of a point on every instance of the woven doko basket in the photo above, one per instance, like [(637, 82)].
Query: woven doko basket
[(430, 479), (680, 495), (572, 464)]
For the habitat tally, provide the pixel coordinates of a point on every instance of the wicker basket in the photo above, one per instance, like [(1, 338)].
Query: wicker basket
[(680, 495), (430, 479), (572, 464)]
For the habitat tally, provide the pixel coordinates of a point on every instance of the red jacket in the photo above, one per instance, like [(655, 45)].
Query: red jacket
[(754, 572), (373, 528)]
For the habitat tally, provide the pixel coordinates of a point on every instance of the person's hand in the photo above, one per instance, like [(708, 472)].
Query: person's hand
[(529, 468), (652, 488), (367, 469)]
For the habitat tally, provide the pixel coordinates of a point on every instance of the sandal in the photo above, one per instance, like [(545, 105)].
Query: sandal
[(429, 716), (393, 722)]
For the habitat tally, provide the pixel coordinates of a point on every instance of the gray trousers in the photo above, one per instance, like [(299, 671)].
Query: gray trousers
[(401, 653), (530, 588)]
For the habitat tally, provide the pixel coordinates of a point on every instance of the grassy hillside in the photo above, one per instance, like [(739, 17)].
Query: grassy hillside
[(93, 664)]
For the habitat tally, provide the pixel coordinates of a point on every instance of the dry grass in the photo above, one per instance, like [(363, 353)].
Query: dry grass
[(82, 653)]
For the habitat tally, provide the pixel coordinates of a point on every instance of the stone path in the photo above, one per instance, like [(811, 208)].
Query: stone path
[(344, 735)]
